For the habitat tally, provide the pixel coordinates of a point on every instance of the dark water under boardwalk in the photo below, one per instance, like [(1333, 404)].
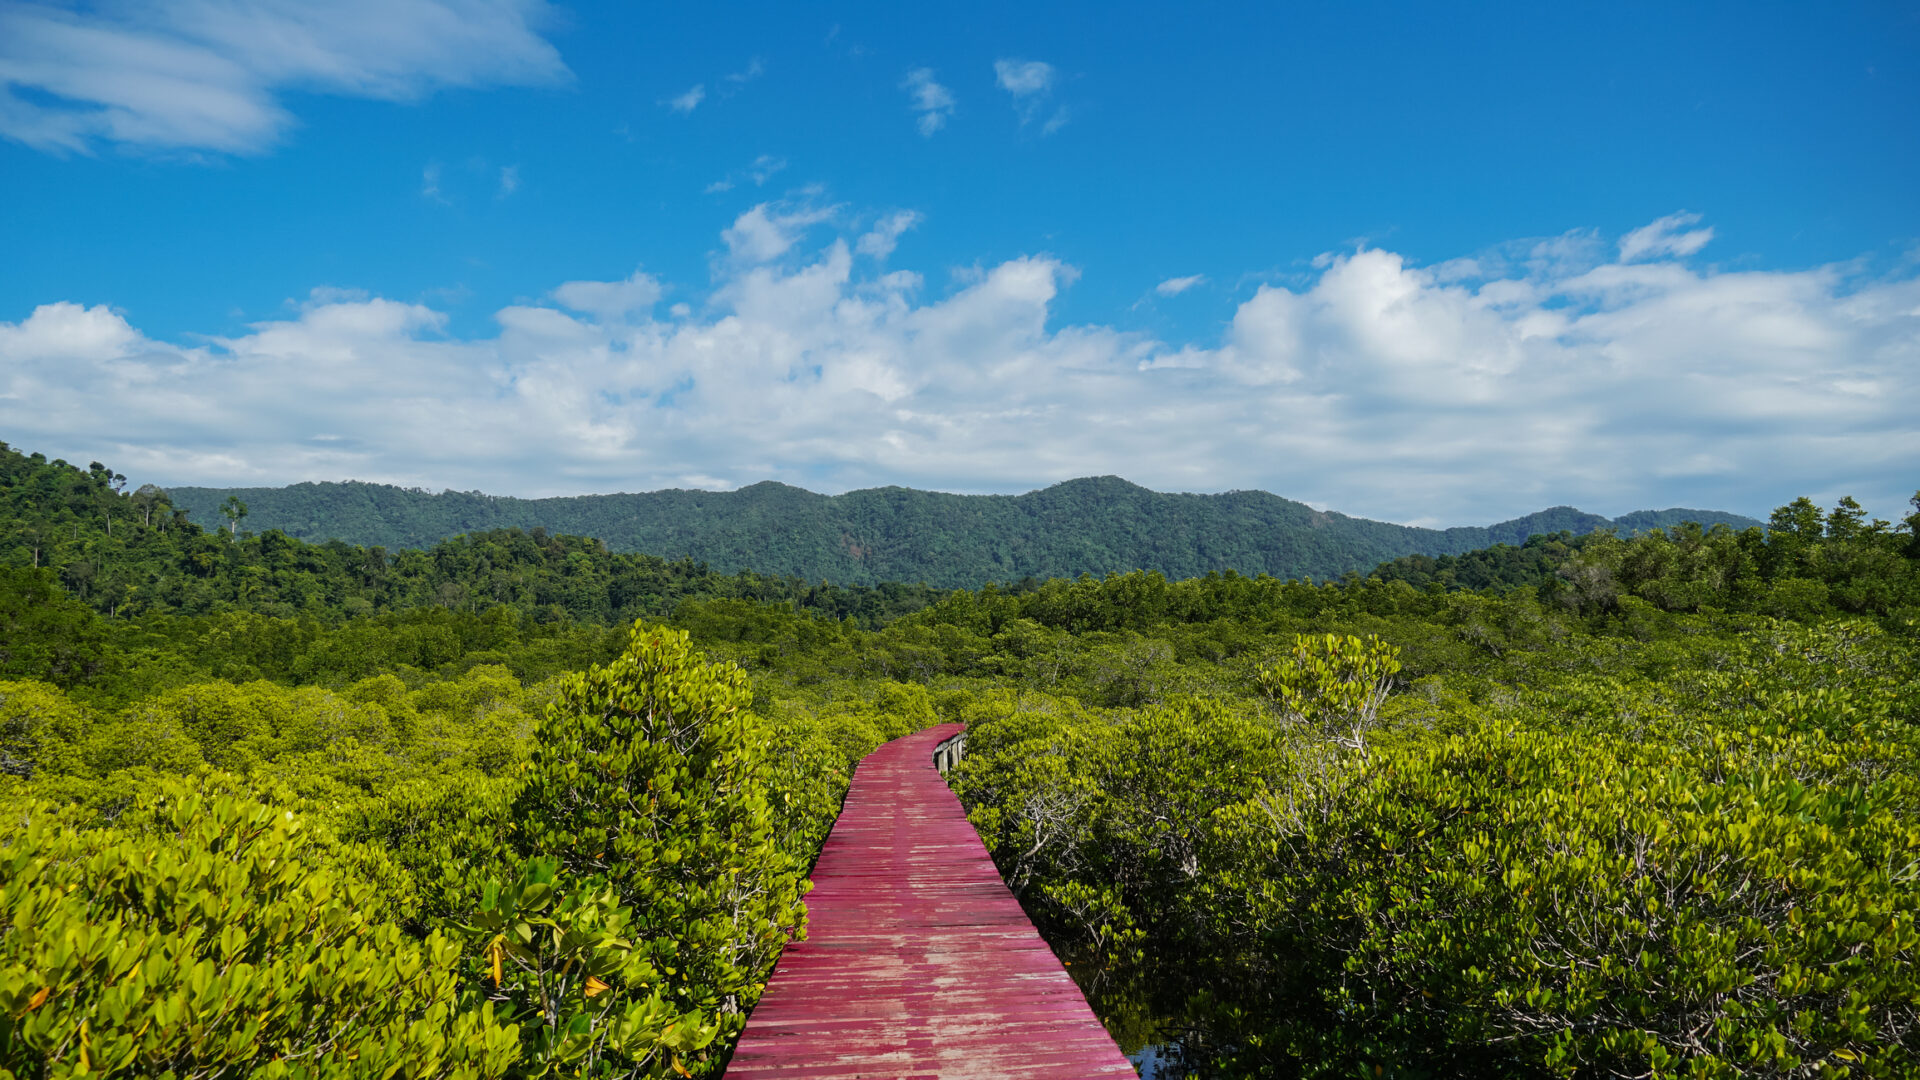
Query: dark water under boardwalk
[(1157, 1011)]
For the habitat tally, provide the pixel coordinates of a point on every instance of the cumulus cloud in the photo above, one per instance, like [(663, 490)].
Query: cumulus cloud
[(1174, 286), (207, 75), (68, 331), (933, 102), (1452, 394), (1667, 236)]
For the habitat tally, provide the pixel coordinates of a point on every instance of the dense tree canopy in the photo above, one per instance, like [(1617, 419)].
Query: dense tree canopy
[(134, 554), (1592, 805), (1097, 525)]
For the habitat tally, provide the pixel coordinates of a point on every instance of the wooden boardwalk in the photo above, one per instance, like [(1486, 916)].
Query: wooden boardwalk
[(918, 962)]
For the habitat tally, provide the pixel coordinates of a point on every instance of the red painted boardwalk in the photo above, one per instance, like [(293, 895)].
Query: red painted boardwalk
[(918, 961)]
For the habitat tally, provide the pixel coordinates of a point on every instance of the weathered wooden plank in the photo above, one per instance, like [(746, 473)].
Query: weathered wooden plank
[(918, 962)]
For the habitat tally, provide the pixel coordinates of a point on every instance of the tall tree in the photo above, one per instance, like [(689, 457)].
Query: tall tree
[(233, 510)]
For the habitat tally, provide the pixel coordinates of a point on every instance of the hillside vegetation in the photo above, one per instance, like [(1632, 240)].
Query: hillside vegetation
[(1586, 806), (1096, 526)]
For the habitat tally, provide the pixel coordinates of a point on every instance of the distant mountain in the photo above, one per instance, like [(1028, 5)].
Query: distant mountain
[(1094, 526)]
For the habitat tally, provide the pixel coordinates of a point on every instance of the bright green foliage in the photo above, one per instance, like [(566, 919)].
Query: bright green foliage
[(229, 723), (1608, 908), (144, 738), (647, 789), (1698, 864), (1643, 807), (809, 764), (40, 731), (1027, 783), (210, 944), (557, 957), (1335, 683), (414, 790), (1109, 815), (317, 721), (450, 834)]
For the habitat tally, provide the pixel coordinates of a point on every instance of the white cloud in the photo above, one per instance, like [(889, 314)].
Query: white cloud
[(689, 101), (610, 300), (1023, 78), (769, 230), (932, 101), (430, 183), (68, 331), (880, 241), (509, 180), (1031, 84), (1177, 285), (730, 84), (1453, 394), (764, 168), (208, 74), (1667, 236)]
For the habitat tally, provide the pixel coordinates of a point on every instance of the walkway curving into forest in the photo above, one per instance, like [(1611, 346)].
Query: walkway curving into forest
[(918, 961)]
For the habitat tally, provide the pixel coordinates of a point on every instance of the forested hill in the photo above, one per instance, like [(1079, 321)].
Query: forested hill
[(1096, 525)]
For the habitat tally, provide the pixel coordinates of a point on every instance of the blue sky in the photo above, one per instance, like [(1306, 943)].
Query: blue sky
[(1441, 264)]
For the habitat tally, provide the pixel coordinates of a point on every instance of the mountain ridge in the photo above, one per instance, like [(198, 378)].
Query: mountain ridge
[(1095, 525)]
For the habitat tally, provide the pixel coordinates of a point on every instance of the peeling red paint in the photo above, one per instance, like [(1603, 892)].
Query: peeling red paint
[(918, 962)]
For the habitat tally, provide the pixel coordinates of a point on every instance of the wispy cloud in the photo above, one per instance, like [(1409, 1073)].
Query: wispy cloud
[(688, 101), (754, 69), (1031, 83), (1176, 286), (509, 180), (1544, 372), (730, 84), (932, 101), (430, 183), (1023, 78), (208, 76), (610, 301), (880, 240), (764, 168), (1667, 236), (770, 230)]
